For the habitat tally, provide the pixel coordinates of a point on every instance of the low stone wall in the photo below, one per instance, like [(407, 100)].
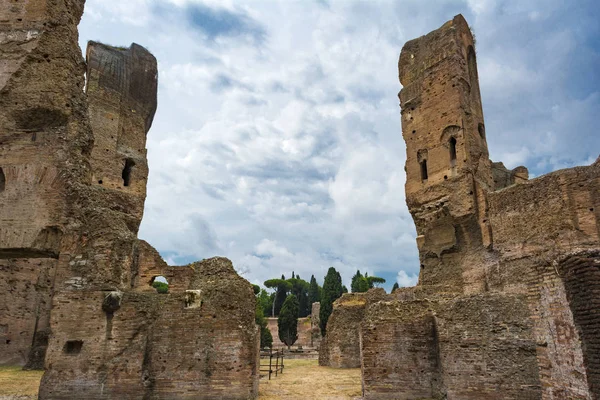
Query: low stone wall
[(148, 345), (340, 348), (471, 347)]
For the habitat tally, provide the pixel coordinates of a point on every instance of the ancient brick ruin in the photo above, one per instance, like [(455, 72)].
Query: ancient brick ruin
[(340, 348), (507, 304), (77, 297)]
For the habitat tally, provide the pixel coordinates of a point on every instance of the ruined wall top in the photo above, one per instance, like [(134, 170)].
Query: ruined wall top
[(121, 91), (125, 75), (442, 114)]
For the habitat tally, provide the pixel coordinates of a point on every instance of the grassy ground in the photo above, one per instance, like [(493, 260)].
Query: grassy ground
[(18, 384), (304, 379), (301, 379)]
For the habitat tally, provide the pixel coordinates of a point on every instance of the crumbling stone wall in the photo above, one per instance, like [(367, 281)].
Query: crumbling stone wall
[(44, 141), (340, 348), (26, 288), (472, 347), (506, 305), (315, 325), (177, 345), (399, 352), (72, 188), (148, 265)]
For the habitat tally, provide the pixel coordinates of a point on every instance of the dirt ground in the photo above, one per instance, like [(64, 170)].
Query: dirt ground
[(16, 384), (301, 379), (304, 379)]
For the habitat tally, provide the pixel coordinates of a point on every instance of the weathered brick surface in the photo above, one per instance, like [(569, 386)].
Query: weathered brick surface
[(73, 176), (509, 266), (399, 351), (340, 348), (581, 277), (43, 141), (487, 348), (474, 347), (26, 288), (158, 346)]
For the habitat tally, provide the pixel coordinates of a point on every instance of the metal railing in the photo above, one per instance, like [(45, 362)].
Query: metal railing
[(271, 367)]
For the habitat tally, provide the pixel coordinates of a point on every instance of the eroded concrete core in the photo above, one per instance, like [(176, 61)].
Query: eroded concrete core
[(73, 170), (507, 304)]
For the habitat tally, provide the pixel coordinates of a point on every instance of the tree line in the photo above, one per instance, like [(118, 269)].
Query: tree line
[(292, 298)]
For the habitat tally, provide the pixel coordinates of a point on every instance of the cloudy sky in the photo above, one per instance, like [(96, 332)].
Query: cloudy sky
[(277, 140)]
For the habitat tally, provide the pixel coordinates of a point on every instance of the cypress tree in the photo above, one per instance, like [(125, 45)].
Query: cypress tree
[(396, 286), (332, 290), (363, 284), (266, 339), (300, 290), (355, 284), (287, 322), (314, 294)]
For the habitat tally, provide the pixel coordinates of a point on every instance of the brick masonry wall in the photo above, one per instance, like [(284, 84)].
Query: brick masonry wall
[(581, 277), (158, 345), (341, 346), (399, 351), (26, 289), (487, 348)]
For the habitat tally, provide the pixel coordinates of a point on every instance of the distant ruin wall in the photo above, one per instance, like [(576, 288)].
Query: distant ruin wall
[(304, 332), (315, 325)]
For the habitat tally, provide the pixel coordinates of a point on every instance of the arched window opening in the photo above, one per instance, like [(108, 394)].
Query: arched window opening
[(452, 152), (2, 181), (160, 283), (129, 164), (424, 170)]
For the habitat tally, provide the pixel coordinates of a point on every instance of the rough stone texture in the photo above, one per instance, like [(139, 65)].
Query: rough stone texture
[(315, 325), (73, 176), (196, 342), (44, 141), (340, 348), (26, 288), (399, 352), (507, 301)]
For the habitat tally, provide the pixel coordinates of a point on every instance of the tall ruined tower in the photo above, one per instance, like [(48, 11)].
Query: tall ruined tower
[(77, 300), (447, 162)]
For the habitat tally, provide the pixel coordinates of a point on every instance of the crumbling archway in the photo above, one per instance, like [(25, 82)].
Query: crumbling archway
[(160, 283)]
